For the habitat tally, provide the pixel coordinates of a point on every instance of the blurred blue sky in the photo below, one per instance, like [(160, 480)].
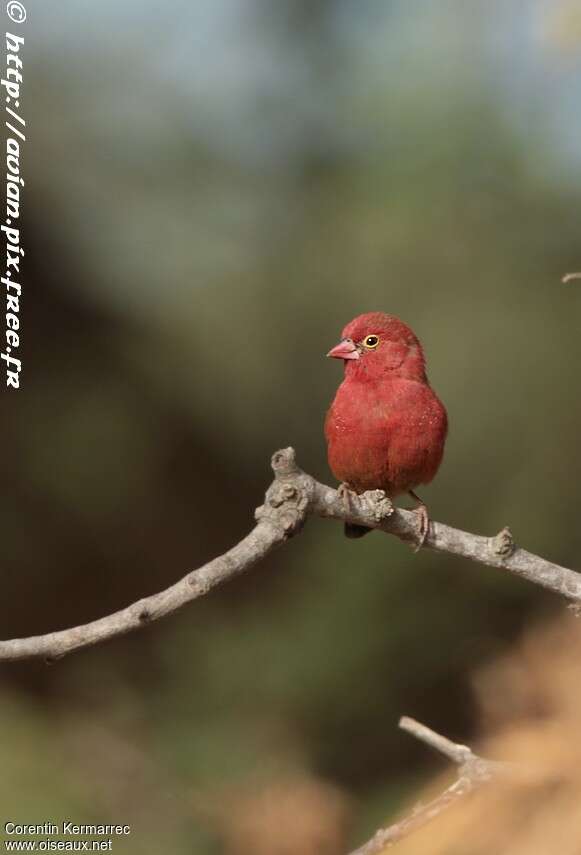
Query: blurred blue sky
[(229, 70)]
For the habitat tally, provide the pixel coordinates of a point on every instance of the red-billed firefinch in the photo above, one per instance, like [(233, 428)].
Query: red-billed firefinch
[(386, 428)]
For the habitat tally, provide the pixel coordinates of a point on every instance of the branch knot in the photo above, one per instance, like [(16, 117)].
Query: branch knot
[(377, 503), (503, 543), (287, 499)]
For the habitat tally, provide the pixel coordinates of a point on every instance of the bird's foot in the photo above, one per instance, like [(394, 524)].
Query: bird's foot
[(346, 493), (423, 521)]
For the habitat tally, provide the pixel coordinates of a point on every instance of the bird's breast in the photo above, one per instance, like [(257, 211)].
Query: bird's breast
[(388, 436)]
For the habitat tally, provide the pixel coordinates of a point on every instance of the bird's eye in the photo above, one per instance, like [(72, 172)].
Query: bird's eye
[(371, 341)]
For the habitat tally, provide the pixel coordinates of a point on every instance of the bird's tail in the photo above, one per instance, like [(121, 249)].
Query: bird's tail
[(353, 531)]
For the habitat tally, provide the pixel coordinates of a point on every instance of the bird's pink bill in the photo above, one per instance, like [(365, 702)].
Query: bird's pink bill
[(346, 349)]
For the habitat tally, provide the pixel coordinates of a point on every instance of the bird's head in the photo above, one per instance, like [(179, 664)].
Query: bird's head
[(376, 343)]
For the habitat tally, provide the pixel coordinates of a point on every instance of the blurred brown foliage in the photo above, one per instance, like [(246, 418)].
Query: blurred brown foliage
[(529, 702), (299, 815)]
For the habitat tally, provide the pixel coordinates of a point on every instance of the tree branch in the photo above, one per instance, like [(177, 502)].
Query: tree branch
[(472, 772), (290, 499)]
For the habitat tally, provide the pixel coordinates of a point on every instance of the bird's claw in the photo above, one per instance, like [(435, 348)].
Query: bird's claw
[(345, 492), (423, 526), (423, 521)]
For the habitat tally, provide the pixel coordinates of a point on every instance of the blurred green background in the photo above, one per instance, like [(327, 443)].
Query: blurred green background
[(213, 190)]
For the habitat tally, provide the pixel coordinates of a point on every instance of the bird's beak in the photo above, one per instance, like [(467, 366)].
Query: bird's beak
[(346, 349)]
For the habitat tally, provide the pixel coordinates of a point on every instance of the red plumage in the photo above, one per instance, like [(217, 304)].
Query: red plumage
[(386, 428)]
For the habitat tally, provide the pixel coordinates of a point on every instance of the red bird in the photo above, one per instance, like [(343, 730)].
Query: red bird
[(386, 428)]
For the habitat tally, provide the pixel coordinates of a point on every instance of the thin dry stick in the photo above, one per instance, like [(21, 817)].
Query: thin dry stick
[(569, 276), (472, 772), (290, 499)]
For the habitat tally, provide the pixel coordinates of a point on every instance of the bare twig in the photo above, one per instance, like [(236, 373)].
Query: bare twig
[(454, 751), (472, 772), (569, 276), (291, 498), (471, 765)]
